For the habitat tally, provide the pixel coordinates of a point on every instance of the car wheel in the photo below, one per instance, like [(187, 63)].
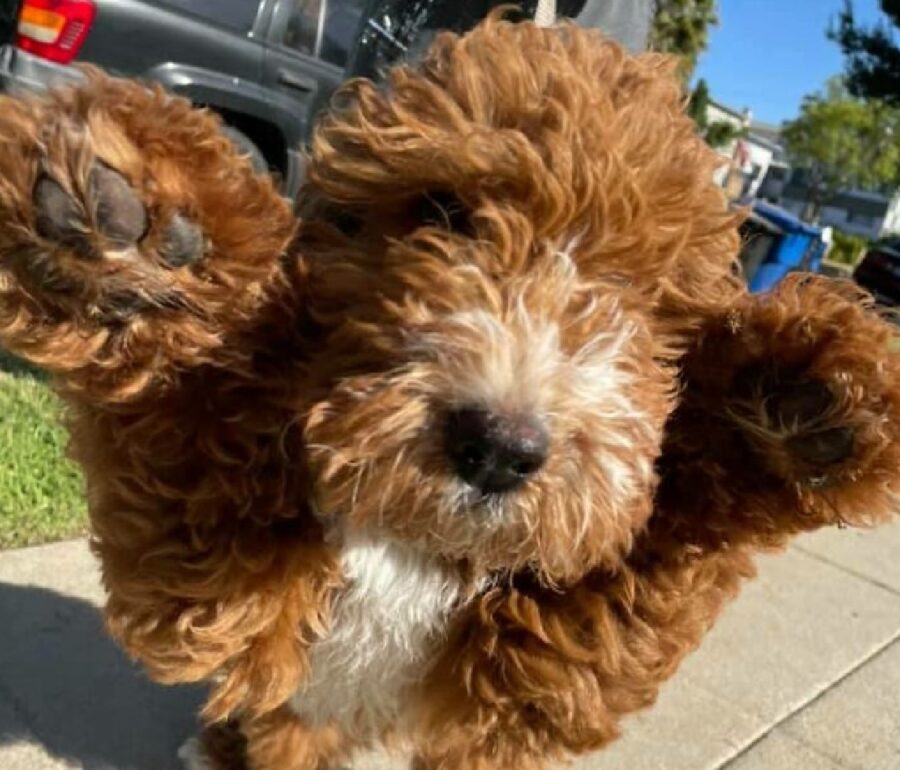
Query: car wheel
[(247, 147)]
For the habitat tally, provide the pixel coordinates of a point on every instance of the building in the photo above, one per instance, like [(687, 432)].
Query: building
[(764, 154), (769, 177), (749, 156), (863, 213), (755, 166)]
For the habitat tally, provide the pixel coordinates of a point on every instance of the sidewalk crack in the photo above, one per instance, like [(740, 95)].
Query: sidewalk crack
[(848, 570), (748, 747)]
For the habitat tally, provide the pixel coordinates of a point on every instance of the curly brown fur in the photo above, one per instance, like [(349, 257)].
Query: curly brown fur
[(158, 391), (525, 227)]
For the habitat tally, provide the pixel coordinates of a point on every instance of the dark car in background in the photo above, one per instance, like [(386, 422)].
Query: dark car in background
[(879, 271)]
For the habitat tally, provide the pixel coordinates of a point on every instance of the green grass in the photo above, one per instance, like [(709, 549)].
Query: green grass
[(41, 493)]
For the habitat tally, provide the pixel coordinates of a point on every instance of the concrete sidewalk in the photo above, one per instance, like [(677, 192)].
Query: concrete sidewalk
[(802, 673)]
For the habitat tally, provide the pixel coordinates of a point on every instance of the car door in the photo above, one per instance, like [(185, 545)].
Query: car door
[(307, 48), (134, 38)]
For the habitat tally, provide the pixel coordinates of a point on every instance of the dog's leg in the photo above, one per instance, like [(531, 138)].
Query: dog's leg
[(134, 241), (141, 265), (281, 741), (537, 673), (789, 420)]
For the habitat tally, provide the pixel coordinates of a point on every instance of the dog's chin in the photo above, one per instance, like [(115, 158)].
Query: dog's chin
[(465, 502), (459, 520), (485, 535)]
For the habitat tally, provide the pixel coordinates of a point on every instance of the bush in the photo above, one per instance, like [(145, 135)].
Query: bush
[(847, 249)]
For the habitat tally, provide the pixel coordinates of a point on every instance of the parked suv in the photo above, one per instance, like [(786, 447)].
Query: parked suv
[(266, 66)]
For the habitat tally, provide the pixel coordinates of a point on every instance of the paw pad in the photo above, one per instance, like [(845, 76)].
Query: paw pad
[(824, 447), (120, 215), (113, 216), (182, 242), (59, 217), (113, 210), (799, 403), (801, 408)]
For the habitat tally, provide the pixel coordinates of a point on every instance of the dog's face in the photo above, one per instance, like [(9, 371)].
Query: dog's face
[(495, 243)]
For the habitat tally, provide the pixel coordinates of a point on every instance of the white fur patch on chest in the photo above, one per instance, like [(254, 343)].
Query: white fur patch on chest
[(386, 627)]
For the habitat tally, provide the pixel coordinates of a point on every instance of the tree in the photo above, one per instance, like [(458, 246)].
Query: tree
[(843, 142), (873, 57), (681, 27), (718, 133)]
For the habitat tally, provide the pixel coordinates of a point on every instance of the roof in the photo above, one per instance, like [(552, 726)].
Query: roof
[(768, 131), (870, 204), (741, 115), (764, 141)]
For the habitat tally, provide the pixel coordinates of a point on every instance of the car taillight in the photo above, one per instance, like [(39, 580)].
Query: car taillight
[(55, 29)]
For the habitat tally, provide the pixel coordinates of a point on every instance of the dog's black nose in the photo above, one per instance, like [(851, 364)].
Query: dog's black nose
[(493, 452)]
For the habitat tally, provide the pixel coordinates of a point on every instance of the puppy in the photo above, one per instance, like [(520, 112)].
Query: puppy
[(465, 459)]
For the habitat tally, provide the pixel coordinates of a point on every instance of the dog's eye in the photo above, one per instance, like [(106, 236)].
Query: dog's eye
[(441, 208), (348, 222)]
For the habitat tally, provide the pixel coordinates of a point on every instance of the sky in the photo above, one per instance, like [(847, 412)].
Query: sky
[(768, 54)]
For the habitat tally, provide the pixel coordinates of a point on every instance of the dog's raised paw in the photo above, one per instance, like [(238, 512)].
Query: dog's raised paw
[(58, 216), (797, 403)]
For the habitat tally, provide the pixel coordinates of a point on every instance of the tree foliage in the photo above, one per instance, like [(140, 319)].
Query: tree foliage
[(843, 142), (847, 249), (682, 27), (717, 133), (872, 53)]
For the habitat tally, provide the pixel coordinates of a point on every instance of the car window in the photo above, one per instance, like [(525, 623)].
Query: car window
[(324, 28), (238, 15), (302, 30), (342, 21)]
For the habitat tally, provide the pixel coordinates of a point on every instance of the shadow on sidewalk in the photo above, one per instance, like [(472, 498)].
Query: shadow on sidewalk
[(65, 685)]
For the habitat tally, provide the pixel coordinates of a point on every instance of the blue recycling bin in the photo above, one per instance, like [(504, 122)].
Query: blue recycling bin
[(791, 245)]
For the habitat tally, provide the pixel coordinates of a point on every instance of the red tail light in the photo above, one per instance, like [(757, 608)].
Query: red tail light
[(55, 29)]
